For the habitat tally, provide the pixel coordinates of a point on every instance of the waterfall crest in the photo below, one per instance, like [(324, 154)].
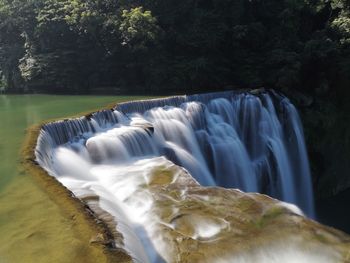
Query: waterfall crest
[(253, 142), (238, 140)]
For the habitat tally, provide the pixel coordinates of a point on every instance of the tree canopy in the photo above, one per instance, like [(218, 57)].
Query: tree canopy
[(71, 46)]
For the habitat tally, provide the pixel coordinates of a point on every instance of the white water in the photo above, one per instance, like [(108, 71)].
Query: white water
[(254, 143)]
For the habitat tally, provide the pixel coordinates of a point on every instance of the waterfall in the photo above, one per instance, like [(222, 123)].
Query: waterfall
[(253, 142)]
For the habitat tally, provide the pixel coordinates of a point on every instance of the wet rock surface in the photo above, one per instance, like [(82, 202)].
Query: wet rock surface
[(199, 224)]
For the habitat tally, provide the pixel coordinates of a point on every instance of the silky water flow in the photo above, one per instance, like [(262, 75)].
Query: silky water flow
[(235, 140)]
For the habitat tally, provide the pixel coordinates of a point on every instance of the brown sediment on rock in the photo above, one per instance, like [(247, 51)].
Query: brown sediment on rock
[(245, 222)]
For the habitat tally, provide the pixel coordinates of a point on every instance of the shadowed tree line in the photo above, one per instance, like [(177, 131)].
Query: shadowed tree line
[(71, 46)]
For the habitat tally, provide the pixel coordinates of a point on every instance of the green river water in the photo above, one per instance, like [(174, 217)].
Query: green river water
[(32, 227)]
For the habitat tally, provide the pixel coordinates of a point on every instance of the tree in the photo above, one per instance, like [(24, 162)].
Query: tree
[(138, 28)]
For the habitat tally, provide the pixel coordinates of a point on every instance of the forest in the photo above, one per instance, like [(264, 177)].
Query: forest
[(161, 47)]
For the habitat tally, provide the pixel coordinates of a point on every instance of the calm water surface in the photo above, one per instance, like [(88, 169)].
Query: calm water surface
[(32, 227)]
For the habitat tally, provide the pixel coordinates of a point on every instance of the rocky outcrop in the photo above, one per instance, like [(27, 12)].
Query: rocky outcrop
[(190, 223)]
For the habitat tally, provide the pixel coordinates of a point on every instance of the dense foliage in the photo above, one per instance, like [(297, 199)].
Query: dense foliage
[(82, 46)]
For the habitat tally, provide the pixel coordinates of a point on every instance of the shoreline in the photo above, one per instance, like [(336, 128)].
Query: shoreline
[(94, 230)]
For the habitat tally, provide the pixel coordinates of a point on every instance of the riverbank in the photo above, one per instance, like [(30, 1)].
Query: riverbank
[(33, 227)]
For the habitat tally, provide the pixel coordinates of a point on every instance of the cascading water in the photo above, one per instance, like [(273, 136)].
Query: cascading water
[(236, 140)]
